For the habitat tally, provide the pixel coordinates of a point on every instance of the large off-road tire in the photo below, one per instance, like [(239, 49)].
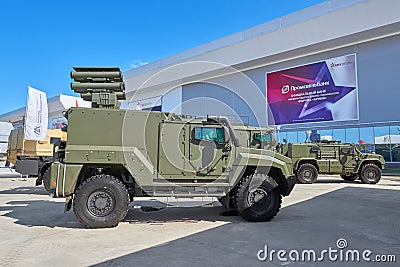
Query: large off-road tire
[(370, 174), (257, 198), (349, 178), (307, 173), (46, 178), (101, 201)]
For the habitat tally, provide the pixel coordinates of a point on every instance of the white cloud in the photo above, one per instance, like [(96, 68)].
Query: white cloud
[(137, 63)]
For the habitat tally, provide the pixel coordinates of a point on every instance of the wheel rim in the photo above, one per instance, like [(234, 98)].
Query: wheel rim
[(307, 175), (101, 203), (259, 199), (371, 175)]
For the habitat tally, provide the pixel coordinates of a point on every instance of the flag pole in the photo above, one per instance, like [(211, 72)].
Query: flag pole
[(23, 135)]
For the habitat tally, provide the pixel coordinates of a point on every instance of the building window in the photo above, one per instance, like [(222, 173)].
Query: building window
[(292, 137), (280, 136), (394, 132), (303, 136), (382, 142), (367, 142), (339, 135), (352, 135), (326, 135)]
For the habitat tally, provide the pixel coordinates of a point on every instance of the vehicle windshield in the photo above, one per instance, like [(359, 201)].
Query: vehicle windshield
[(209, 133), (266, 137)]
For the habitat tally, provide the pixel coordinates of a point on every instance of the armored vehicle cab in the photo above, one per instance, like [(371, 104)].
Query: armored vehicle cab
[(114, 155), (333, 157)]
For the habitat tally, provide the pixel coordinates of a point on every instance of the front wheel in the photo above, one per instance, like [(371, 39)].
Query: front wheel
[(307, 173), (370, 174), (257, 198), (349, 178), (101, 201)]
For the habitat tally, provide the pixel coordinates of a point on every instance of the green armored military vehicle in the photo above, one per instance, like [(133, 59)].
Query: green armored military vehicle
[(333, 157), (113, 155)]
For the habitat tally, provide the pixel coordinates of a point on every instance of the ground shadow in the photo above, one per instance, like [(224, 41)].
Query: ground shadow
[(386, 181), (39, 213), (333, 180), (367, 218), (12, 175), (49, 213), (179, 214), (26, 190)]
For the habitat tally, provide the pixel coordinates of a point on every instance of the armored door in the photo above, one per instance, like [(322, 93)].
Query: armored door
[(207, 151), (173, 149)]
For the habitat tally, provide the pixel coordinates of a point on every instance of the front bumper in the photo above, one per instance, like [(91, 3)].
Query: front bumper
[(290, 182), (39, 180), (64, 178)]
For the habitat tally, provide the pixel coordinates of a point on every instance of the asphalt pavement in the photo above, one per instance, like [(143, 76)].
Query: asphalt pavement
[(332, 214)]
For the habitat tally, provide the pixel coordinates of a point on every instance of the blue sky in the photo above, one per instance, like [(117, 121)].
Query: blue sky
[(42, 40)]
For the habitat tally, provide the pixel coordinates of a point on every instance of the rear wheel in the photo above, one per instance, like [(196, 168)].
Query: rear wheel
[(257, 198), (307, 173), (101, 201), (370, 174), (46, 178), (349, 178)]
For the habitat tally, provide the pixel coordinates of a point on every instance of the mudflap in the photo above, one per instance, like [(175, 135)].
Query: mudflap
[(259, 179), (68, 203), (42, 169), (291, 181), (39, 180)]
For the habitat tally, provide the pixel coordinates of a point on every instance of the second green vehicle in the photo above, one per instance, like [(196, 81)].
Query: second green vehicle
[(333, 157)]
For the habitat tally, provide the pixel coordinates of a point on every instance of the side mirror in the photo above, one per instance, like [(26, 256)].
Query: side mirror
[(285, 140), (65, 114), (227, 137)]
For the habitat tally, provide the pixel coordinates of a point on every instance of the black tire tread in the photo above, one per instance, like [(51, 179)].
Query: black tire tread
[(349, 178), (306, 165), (242, 186), (365, 179), (109, 224)]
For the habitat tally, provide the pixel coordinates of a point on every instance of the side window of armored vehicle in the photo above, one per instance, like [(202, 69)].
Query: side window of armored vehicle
[(315, 149), (209, 133), (348, 150), (266, 138), (54, 140)]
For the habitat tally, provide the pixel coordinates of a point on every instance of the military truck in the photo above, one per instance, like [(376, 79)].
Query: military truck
[(333, 157), (32, 157), (114, 155)]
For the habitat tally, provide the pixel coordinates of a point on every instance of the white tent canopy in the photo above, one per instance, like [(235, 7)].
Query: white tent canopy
[(387, 139), (5, 129)]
